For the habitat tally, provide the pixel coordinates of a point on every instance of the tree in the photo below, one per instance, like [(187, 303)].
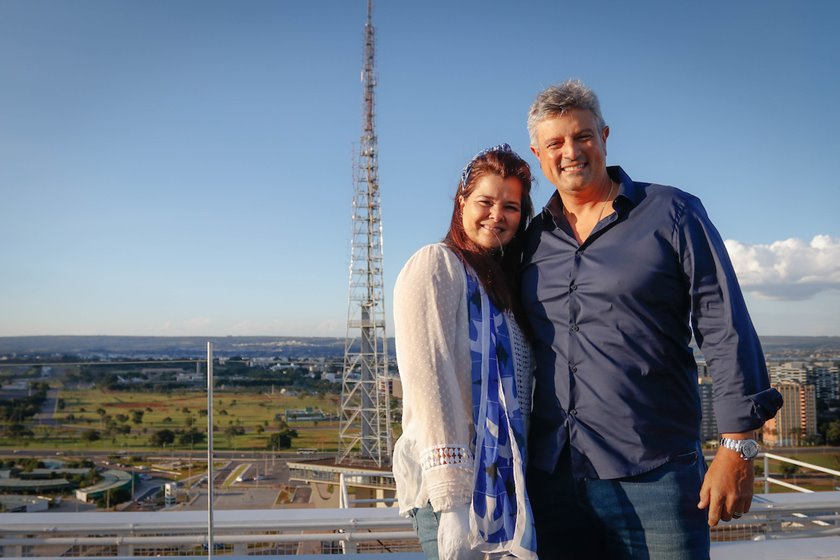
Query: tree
[(162, 437), (137, 416), (832, 433), (282, 439), (815, 439), (231, 431), (90, 435), (790, 470), (191, 437), (19, 431)]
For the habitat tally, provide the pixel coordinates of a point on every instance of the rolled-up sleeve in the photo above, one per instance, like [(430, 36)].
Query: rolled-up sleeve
[(743, 398)]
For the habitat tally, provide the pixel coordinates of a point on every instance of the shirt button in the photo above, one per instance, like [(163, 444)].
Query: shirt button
[(573, 412), (573, 369), (573, 287), (574, 328)]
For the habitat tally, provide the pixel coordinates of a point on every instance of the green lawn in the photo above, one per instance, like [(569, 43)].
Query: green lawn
[(175, 411)]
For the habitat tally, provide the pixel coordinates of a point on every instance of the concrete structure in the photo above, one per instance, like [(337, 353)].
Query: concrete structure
[(364, 484), (14, 503), (112, 480), (40, 486)]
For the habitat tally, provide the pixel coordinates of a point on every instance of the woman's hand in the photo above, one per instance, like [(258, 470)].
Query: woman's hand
[(454, 535)]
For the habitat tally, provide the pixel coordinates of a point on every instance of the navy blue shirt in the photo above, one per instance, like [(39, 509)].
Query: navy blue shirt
[(612, 320)]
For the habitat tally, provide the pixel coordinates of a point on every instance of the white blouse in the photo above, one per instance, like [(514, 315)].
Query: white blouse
[(433, 459)]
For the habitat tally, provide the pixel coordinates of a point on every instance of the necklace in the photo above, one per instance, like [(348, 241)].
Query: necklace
[(609, 196)]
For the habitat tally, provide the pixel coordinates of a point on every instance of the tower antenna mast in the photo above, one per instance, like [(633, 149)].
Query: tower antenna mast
[(365, 428)]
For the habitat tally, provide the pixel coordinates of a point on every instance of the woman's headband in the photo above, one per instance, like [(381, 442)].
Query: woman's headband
[(465, 174)]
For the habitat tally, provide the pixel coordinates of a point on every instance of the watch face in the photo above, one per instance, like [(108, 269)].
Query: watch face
[(749, 448)]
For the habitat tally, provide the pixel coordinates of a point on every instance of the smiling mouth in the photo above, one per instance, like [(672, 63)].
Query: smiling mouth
[(573, 168)]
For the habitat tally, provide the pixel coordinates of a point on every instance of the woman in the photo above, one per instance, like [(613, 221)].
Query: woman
[(465, 368)]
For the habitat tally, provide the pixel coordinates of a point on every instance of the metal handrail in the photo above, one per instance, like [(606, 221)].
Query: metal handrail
[(768, 480)]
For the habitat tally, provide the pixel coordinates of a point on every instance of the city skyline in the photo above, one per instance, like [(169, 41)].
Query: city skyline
[(185, 168)]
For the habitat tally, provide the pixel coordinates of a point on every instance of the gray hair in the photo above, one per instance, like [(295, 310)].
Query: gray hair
[(556, 100)]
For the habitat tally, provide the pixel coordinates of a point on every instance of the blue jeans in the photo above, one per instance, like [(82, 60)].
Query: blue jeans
[(425, 521), (649, 516)]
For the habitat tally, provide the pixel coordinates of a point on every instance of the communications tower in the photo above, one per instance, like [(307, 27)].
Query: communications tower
[(365, 430)]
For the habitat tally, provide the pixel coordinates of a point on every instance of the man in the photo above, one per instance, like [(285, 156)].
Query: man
[(617, 275)]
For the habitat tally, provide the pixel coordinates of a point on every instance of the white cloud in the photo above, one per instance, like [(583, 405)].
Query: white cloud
[(791, 269)]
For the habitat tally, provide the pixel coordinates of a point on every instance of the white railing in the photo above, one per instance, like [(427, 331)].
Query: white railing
[(284, 532), (768, 480), (352, 530), (184, 533)]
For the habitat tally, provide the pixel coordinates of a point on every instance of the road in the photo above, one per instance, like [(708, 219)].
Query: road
[(47, 414)]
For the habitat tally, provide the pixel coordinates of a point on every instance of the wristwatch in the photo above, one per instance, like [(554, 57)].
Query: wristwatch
[(746, 448)]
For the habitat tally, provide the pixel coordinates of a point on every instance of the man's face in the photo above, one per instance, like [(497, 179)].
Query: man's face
[(572, 151)]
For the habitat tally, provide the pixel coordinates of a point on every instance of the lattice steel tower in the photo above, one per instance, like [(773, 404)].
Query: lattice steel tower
[(365, 431)]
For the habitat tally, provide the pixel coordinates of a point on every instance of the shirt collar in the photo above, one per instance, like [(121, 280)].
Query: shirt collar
[(629, 195), (628, 190)]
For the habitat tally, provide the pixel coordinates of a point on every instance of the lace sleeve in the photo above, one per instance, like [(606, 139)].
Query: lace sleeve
[(446, 455)]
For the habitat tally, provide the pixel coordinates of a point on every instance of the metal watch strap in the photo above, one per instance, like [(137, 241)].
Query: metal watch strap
[(746, 448)]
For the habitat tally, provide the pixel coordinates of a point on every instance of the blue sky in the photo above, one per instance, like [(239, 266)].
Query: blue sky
[(180, 167)]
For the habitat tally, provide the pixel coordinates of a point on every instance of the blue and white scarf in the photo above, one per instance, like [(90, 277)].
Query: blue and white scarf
[(501, 519)]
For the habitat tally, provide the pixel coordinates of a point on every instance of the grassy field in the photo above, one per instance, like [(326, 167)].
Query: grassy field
[(257, 413)]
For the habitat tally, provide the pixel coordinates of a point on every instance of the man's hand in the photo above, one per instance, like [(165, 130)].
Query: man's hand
[(728, 487)]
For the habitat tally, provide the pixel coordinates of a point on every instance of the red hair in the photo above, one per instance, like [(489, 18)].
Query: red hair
[(498, 273)]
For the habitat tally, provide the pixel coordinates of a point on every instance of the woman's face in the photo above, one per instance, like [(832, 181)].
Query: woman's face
[(492, 212)]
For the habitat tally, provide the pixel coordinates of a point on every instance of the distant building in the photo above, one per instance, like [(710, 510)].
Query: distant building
[(170, 494), (825, 376), (14, 503), (396, 388), (304, 415), (158, 373), (708, 424), (185, 377), (796, 420), (796, 372), (261, 362), (112, 480)]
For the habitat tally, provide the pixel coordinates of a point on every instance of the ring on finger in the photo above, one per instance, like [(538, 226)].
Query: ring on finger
[(737, 515)]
